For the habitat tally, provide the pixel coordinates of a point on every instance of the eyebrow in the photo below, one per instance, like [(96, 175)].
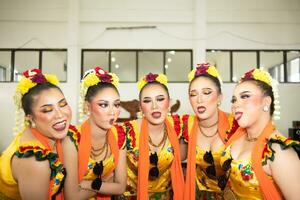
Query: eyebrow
[(245, 92), (46, 105)]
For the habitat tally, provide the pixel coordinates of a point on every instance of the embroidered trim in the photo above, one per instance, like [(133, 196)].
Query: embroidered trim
[(185, 127), (131, 139), (74, 135), (121, 136)]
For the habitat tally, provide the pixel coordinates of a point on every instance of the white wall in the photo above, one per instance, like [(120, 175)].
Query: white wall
[(230, 24)]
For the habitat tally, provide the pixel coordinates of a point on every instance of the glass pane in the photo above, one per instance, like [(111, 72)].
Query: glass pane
[(124, 65), (5, 66), (92, 59), (55, 62), (293, 66), (221, 60), (150, 61), (272, 61), (178, 65), (241, 63), (25, 60)]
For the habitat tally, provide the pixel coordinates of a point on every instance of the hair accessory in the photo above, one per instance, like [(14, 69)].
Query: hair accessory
[(93, 77), (149, 78), (204, 68), (264, 76), (30, 79)]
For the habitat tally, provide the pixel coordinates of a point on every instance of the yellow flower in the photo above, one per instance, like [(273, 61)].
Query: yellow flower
[(25, 85), (115, 79), (191, 75), (141, 83), (91, 80), (52, 79), (162, 79), (213, 71), (262, 76)]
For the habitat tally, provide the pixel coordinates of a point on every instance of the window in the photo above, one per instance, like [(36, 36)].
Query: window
[(242, 62), (272, 61), (131, 65), (221, 60), (13, 62), (293, 66)]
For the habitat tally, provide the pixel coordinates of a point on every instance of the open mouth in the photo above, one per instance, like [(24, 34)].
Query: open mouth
[(201, 109), (156, 115), (111, 121), (60, 126), (238, 116)]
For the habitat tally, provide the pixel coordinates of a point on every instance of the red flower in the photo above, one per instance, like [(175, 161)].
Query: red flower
[(201, 69), (103, 75), (151, 77), (185, 127), (176, 120), (249, 74), (35, 75)]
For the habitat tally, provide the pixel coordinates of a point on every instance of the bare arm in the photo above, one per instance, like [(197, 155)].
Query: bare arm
[(71, 189), (118, 185), (286, 173), (32, 176)]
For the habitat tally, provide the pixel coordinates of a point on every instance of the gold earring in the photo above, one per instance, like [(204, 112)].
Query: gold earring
[(32, 124), (219, 103), (266, 108), (140, 115), (169, 112)]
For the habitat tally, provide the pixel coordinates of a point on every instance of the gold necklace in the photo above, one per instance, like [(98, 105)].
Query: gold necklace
[(201, 131), (249, 139), (210, 125), (163, 140)]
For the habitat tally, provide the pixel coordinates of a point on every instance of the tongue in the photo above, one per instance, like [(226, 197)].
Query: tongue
[(156, 115), (59, 126)]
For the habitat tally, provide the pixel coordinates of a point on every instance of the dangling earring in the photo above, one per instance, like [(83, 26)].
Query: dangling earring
[(219, 103), (140, 115), (32, 124), (266, 108), (26, 122), (169, 112)]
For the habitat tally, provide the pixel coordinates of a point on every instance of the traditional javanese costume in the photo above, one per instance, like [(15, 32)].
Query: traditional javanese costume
[(169, 183), (204, 180), (248, 180), (116, 140), (41, 150)]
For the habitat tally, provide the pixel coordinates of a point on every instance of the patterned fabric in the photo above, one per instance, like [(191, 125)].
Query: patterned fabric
[(74, 135), (159, 188), (243, 181), (8, 186)]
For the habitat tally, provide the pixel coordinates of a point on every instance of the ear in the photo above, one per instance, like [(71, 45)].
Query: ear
[(86, 107), (267, 101), (220, 98), (171, 102)]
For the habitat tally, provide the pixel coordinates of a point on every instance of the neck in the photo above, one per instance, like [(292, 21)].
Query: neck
[(155, 128), (258, 126), (97, 132), (209, 122)]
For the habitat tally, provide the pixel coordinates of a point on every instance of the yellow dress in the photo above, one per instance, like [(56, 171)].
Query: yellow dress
[(8, 186), (159, 188), (243, 182)]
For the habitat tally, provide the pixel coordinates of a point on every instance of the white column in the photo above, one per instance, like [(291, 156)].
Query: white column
[(199, 48), (73, 57)]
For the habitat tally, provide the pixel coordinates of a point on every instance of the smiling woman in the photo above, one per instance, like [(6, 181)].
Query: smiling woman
[(47, 118)]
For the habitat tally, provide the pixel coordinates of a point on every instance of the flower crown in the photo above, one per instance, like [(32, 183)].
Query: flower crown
[(149, 78), (30, 79), (264, 76), (93, 77), (204, 68)]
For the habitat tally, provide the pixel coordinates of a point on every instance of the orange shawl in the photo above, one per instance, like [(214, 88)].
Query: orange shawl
[(190, 183), (44, 140), (267, 186), (84, 150), (143, 165)]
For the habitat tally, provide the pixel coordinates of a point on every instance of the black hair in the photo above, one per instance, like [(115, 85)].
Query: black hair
[(93, 90), (27, 100), (266, 90), (154, 83), (215, 80)]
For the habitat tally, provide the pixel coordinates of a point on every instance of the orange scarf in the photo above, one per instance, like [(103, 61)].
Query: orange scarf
[(84, 150), (45, 141), (190, 183), (267, 186), (143, 163)]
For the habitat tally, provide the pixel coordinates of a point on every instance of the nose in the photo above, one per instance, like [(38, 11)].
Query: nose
[(154, 104), (199, 99), (59, 113), (111, 110)]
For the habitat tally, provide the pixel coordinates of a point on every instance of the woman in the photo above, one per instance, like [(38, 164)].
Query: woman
[(101, 155), (153, 154), (205, 133), (31, 167), (265, 164)]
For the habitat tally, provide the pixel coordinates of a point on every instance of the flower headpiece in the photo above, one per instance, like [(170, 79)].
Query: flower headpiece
[(264, 76), (30, 79), (149, 78), (93, 77), (204, 68)]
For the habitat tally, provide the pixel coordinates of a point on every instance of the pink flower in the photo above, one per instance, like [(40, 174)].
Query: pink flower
[(105, 78), (151, 77), (249, 74), (38, 78), (201, 69)]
